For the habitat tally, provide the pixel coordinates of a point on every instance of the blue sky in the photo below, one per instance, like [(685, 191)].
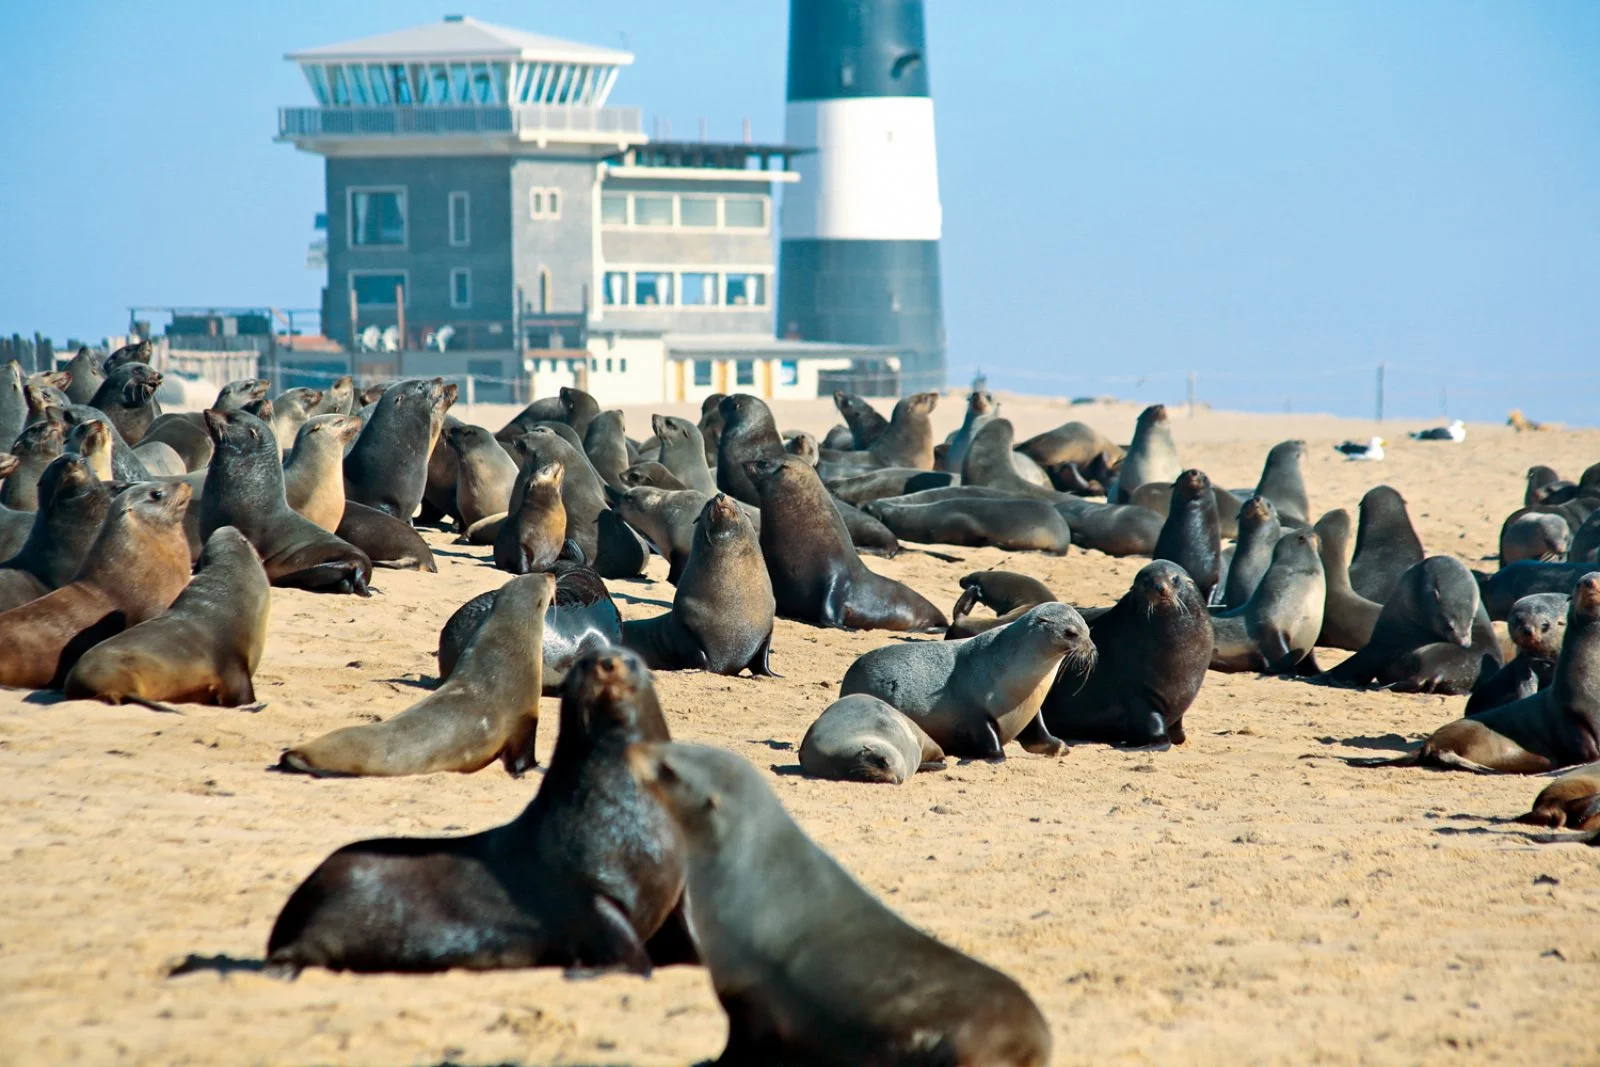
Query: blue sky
[(1278, 196)]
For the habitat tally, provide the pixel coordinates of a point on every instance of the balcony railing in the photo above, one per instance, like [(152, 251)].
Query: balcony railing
[(527, 122)]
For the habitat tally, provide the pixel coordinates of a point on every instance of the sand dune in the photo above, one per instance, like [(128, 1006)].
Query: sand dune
[(1246, 898)]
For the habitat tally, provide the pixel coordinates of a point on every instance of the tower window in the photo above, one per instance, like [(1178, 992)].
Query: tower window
[(616, 288), (460, 287), (377, 217), (544, 203), (460, 232), (378, 288)]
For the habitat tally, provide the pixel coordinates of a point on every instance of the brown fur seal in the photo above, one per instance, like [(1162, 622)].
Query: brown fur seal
[(531, 539), (652, 474), (976, 695), (138, 351), (185, 431), (439, 490), (13, 402), (1283, 484), (866, 424), (1347, 617), (204, 649), (605, 443), (1071, 442), (862, 489), (1152, 457), (1259, 531), (313, 473), (1387, 544), (127, 396), (1006, 593), (1275, 630), (1014, 525), (1541, 482), (1157, 497), (721, 617), (1191, 536), (291, 408), (388, 467), (574, 407), (1154, 648), (386, 540), (990, 462), (137, 566), (87, 375), (666, 518), (1585, 544), (14, 525), (338, 398), (809, 967), (683, 452), (1538, 627), (92, 441), (487, 709), (906, 442), (861, 739), (485, 474), (748, 433), (35, 448), (1556, 727), (244, 489), (583, 877), (72, 508), (710, 425), (816, 575), (1571, 802), (582, 491), (1115, 529)]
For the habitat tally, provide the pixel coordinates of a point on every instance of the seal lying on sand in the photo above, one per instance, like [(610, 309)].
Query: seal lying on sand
[(1538, 626), (861, 739)]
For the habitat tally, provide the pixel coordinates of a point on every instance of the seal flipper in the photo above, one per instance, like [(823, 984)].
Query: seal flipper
[(673, 941), (1037, 738), (761, 663), (1150, 735), (520, 753), (234, 687), (1354, 672), (980, 741), (1307, 667), (610, 943)]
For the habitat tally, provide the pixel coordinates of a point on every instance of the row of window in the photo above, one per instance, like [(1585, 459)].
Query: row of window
[(444, 84), (375, 288), (378, 215), (666, 211), (684, 288), (744, 372)]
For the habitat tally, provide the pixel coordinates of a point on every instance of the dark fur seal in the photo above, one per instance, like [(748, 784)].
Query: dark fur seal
[(1152, 457), (582, 491), (861, 739), (666, 518), (1347, 617), (572, 406), (582, 878), (816, 575), (386, 540), (748, 433), (975, 696), (204, 649), (135, 569), (721, 617), (244, 489), (867, 532), (683, 452), (1275, 630), (906, 442), (72, 507), (1071, 442), (1537, 626), (1585, 544), (581, 618), (1501, 590), (35, 448), (989, 462), (1191, 536), (1534, 535), (809, 967), (487, 709), (710, 426), (1259, 531), (1115, 529), (127, 397), (1571, 802), (1154, 648), (866, 423), (532, 538), (1387, 544), (606, 445), (1002, 592), (388, 467), (313, 472), (862, 489), (13, 402), (1014, 525), (1157, 497), (1283, 484), (87, 375)]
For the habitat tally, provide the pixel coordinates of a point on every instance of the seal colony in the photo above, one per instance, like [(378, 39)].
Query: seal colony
[(636, 852)]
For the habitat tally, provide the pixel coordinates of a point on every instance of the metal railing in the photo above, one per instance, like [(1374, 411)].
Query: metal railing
[(527, 120)]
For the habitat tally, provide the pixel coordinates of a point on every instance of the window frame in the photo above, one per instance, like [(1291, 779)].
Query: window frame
[(464, 239), (456, 272), (744, 372), (694, 373), (761, 201), (676, 272), (544, 202), (378, 272), (350, 194)]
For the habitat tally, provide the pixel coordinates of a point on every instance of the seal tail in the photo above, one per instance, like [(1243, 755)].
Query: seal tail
[(154, 705), (1423, 757)]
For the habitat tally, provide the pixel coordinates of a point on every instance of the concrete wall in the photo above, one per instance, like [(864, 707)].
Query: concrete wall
[(564, 245)]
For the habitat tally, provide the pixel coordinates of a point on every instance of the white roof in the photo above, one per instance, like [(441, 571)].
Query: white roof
[(460, 37)]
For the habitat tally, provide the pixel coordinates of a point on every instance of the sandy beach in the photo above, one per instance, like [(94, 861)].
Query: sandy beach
[(1245, 898)]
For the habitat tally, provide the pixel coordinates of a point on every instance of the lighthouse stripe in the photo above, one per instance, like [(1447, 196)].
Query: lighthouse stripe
[(873, 175)]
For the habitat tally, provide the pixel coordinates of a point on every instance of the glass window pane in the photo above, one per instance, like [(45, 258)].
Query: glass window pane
[(482, 87), (552, 203), (358, 83), (319, 82), (746, 290), (702, 372), (377, 218), (536, 203), (422, 79), (744, 214), (341, 94), (699, 289), (461, 89), (379, 83), (652, 211), (789, 372), (460, 287), (402, 83), (441, 84), (616, 288), (459, 234), (614, 209), (377, 290), (502, 74), (744, 372), (652, 288), (697, 210)]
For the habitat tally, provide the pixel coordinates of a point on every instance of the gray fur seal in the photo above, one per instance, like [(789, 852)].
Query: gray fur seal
[(1347, 617), (861, 739), (313, 473), (1259, 531), (73, 504), (748, 433), (1151, 457), (1283, 484), (1014, 525), (1501, 590), (1534, 535), (1115, 529), (387, 468), (808, 966), (865, 422), (1537, 627), (1387, 544), (35, 447), (683, 452), (1275, 630), (127, 397)]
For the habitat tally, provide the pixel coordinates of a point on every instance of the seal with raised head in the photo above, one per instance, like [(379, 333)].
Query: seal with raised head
[(1014, 525), (683, 452), (1347, 616), (87, 374), (72, 507), (605, 443), (1259, 531), (809, 967), (906, 442), (1571, 802), (1191, 536), (487, 709), (1157, 497), (1154, 648), (584, 877), (817, 577), (1537, 626), (1283, 483), (665, 517), (35, 448), (135, 569), (13, 402), (244, 489), (582, 492), (1151, 457), (185, 431), (485, 474), (721, 617), (976, 695), (990, 461), (1387, 544), (710, 425), (204, 649), (865, 422), (291, 408), (1275, 630), (127, 396), (572, 406), (313, 473), (14, 525), (748, 433), (531, 539), (387, 468), (861, 739), (338, 398)]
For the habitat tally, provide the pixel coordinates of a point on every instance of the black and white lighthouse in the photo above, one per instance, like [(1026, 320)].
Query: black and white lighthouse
[(860, 256)]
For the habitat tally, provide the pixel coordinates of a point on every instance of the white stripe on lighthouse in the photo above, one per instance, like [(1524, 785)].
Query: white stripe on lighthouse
[(874, 175)]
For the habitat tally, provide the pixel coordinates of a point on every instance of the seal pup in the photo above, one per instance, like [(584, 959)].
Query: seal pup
[(291, 408), (581, 617), (1571, 802), (244, 488), (976, 695), (1002, 592), (1554, 728), (127, 397), (1154, 646), (1191, 536), (721, 617), (1387, 544), (683, 452), (1347, 616), (809, 967), (135, 569), (585, 876), (532, 538), (1151, 457), (1259, 531), (204, 649), (87, 375), (386, 540), (1537, 626), (387, 468), (1014, 525), (92, 441), (1532, 535), (865, 422), (802, 444), (817, 577), (861, 739), (582, 491), (313, 473), (748, 433), (487, 709), (1115, 529), (1275, 630), (1283, 483), (72, 507), (35, 448)]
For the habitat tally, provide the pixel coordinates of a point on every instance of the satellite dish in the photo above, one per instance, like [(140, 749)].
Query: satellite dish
[(391, 339), (369, 339), (443, 336)]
